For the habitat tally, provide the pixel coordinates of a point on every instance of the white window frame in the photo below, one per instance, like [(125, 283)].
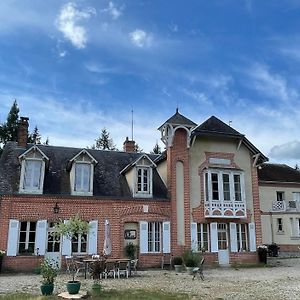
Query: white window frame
[(155, 237), (143, 193), (79, 244), (279, 223), (29, 189), (208, 184), (239, 237), (200, 243), (88, 192), (27, 232)]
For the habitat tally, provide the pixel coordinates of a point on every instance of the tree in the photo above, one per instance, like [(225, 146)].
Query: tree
[(156, 149), (105, 142), (137, 148), (35, 136), (47, 141)]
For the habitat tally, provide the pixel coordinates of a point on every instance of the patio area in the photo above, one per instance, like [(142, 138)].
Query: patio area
[(279, 280)]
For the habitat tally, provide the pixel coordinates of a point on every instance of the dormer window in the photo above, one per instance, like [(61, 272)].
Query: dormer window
[(82, 174), (32, 171), (143, 180)]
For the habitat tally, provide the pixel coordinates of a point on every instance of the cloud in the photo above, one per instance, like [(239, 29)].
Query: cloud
[(290, 150), (271, 84), (67, 23), (198, 96), (140, 38), (113, 11)]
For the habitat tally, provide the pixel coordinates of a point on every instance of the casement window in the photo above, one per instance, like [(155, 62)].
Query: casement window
[(143, 179), (224, 185), (203, 237), (280, 196), (154, 236), (242, 237), (27, 237), (279, 225), (82, 177), (222, 236), (79, 244), (53, 241)]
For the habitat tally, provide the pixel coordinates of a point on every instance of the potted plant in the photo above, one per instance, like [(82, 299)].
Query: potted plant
[(177, 262), (71, 229), (49, 271), (130, 250), (191, 260), (2, 253), (97, 269), (262, 252)]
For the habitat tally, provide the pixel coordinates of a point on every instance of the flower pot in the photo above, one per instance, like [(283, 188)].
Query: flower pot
[(178, 268), (73, 287), (262, 256), (190, 270), (96, 289), (47, 289), (1, 258)]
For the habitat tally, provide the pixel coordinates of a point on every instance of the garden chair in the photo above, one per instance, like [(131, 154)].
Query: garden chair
[(133, 265), (199, 270), (110, 269), (122, 267), (166, 260), (79, 266), (69, 263)]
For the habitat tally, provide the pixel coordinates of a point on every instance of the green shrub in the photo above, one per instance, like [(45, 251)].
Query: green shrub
[(177, 260), (191, 259)]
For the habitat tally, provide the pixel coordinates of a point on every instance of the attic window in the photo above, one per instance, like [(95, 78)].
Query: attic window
[(143, 182), (82, 177)]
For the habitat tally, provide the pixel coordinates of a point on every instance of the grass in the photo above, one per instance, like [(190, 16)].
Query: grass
[(110, 295)]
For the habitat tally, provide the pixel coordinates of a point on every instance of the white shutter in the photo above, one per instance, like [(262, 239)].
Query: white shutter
[(13, 235), (252, 238), (41, 237), (66, 244), (143, 237), (214, 237), (166, 237), (194, 237), (233, 238), (92, 237)]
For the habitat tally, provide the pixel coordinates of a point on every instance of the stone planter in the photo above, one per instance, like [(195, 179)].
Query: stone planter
[(178, 268), (47, 289), (73, 287), (262, 256)]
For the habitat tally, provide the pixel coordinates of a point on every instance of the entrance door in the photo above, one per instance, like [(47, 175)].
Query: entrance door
[(223, 252), (53, 246)]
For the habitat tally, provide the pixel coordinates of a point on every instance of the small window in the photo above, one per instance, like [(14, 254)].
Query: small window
[(143, 180), (27, 237), (237, 187), (279, 225), (215, 186), (203, 237), (82, 177), (280, 196), (154, 236), (226, 187), (242, 237), (79, 244)]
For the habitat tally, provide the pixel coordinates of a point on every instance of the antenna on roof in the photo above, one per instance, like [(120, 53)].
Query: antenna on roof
[(229, 123), (132, 124)]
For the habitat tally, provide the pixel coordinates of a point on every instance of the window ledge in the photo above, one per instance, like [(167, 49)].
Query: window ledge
[(142, 195), (81, 193), (295, 237), (35, 192), (280, 232)]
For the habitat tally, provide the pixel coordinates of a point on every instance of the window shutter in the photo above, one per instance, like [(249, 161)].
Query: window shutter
[(252, 237), (13, 235), (233, 238), (166, 237), (214, 237), (92, 237), (66, 245), (194, 237), (41, 236), (143, 237)]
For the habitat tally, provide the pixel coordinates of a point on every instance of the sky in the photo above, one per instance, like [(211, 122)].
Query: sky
[(76, 67)]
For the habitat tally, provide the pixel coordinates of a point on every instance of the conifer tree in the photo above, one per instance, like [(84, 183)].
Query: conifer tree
[(105, 142), (35, 136), (156, 149), (9, 130)]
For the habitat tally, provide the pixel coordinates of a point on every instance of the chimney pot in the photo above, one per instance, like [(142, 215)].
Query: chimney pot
[(23, 125)]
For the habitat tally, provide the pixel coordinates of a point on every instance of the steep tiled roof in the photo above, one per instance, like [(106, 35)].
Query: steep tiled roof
[(179, 119), (278, 173), (214, 126), (108, 182)]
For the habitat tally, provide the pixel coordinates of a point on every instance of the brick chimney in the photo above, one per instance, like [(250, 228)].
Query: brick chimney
[(23, 125), (128, 146)]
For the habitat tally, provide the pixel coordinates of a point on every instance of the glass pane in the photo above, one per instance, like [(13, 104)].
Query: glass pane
[(206, 187), (32, 226), (31, 236), (22, 237), (215, 186), (23, 226), (226, 187), (237, 187)]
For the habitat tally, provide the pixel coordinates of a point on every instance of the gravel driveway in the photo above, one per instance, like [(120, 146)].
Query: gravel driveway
[(279, 281)]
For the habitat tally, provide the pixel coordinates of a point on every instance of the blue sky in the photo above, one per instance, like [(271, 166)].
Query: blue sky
[(76, 67)]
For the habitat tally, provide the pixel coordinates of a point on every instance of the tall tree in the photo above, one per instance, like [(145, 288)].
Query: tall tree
[(105, 142), (156, 149), (137, 148), (47, 141), (35, 136), (9, 131)]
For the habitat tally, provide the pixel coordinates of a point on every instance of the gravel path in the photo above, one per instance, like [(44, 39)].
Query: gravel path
[(280, 281)]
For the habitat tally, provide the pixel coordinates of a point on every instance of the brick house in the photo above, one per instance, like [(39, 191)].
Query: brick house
[(201, 193)]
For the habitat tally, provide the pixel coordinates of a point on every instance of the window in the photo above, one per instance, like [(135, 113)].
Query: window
[(279, 225), (53, 243), (280, 196), (224, 185), (222, 236), (79, 243), (299, 227), (154, 236), (143, 175), (242, 237), (82, 177), (203, 237), (27, 237)]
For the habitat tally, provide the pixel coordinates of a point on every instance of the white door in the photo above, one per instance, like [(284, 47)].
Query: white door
[(223, 252), (53, 246)]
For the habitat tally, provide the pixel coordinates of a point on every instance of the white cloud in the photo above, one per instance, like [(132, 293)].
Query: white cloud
[(198, 96), (67, 23), (140, 38), (113, 11), (290, 150)]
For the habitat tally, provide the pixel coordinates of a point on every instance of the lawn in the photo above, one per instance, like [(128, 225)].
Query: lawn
[(112, 294)]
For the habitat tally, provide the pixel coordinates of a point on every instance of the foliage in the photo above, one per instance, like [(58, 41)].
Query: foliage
[(137, 148), (104, 142), (130, 250), (34, 137), (177, 260), (96, 269), (2, 252), (71, 229), (156, 149), (49, 270), (191, 259)]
